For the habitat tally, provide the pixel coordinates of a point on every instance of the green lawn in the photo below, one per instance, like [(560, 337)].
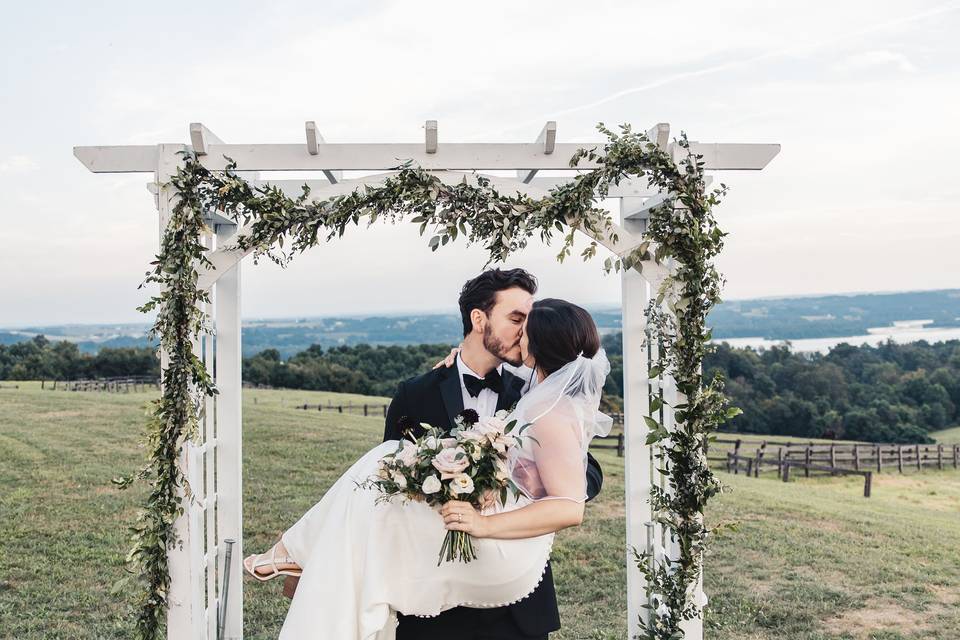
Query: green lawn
[(811, 560), (947, 436)]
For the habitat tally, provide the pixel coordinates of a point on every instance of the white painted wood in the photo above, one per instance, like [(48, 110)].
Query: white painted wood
[(201, 138), (548, 138), (659, 134), (636, 294), (185, 611), (314, 140), (123, 159), (430, 134), (384, 157), (229, 432), (210, 453)]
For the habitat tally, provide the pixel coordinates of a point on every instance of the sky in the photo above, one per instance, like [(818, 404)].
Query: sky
[(862, 96)]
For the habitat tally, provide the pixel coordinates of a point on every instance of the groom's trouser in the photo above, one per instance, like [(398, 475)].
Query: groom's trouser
[(464, 623)]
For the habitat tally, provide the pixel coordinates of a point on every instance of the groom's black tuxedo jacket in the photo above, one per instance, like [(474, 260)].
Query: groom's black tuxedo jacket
[(436, 398)]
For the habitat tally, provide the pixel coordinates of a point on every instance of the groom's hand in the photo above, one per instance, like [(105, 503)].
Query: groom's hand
[(450, 359)]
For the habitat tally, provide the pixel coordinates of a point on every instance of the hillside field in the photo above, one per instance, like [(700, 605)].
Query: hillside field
[(809, 560)]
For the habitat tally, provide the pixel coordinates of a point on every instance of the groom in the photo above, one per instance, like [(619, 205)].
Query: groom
[(493, 307)]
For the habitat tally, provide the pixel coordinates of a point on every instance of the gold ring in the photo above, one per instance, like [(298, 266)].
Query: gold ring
[(459, 517)]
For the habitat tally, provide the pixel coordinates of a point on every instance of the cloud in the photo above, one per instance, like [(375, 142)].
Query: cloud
[(877, 58), (18, 163)]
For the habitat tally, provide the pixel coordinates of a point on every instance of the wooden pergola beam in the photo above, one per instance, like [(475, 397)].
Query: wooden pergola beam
[(384, 157), (314, 140)]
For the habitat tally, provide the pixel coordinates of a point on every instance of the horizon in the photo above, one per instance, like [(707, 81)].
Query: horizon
[(600, 306)]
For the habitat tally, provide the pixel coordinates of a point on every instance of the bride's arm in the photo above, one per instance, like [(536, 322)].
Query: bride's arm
[(559, 462)]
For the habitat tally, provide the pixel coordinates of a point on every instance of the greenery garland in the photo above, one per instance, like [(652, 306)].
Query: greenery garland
[(682, 229)]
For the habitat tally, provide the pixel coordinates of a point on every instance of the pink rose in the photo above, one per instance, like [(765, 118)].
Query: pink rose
[(448, 465)]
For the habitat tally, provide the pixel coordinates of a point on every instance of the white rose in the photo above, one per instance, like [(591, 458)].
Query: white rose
[(448, 464), (461, 484), (382, 470), (430, 442), (447, 443), (431, 485), (400, 479), (502, 472)]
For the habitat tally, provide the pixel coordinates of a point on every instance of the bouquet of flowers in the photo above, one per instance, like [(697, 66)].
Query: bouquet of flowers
[(467, 465)]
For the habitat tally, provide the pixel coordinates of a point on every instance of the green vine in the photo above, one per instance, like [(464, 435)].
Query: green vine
[(681, 230)]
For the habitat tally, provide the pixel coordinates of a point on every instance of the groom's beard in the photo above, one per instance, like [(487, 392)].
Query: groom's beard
[(496, 347)]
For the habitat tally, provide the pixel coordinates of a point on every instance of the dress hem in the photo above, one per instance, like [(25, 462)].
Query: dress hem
[(485, 605)]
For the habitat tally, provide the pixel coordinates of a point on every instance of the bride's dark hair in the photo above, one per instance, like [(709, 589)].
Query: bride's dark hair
[(558, 331)]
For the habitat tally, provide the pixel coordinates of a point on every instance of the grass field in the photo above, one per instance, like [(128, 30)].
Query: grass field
[(947, 436), (810, 560)]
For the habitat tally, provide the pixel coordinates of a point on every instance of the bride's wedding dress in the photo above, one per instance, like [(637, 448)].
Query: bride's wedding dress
[(363, 562)]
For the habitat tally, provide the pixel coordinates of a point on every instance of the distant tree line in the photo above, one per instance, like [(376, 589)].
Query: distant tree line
[(41, 359), (888, 393)]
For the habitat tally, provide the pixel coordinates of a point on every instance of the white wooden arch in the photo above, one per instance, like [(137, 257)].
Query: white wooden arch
[(214, 513)]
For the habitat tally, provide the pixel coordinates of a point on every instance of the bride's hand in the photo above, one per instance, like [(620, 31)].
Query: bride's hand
[(462, 516), (450, 359)]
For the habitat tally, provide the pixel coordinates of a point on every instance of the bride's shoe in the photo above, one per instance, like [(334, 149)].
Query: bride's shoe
[(252, 563)]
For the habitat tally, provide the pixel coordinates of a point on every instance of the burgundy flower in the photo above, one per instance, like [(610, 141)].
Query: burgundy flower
[(469, 417)]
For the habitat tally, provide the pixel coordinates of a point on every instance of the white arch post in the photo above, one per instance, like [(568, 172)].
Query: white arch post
[(214, 513)]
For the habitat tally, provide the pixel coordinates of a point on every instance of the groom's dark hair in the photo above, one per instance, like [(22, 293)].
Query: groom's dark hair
[(481, 292)]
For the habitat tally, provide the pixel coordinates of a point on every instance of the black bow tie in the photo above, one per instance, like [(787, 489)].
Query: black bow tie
[(475, 385)]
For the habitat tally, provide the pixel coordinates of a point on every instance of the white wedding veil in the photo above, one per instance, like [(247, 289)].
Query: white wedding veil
[(563, 412)]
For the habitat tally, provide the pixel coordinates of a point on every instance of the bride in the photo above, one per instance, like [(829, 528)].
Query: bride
[(360, 563)]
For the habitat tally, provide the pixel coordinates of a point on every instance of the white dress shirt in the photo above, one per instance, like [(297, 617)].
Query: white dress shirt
[(485, 404)]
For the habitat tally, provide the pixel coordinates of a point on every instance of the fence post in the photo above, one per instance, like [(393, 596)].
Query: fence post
[(833, 455), (340, 408), (919, 460), (786, 472), (900, 458), (867, 481), (956, 455), (879, 458), (806, 468), (620, 445), (940, 457), (41, 383), (856, 457), (779, 461), (728, 461), (749, 467), (365, 413)]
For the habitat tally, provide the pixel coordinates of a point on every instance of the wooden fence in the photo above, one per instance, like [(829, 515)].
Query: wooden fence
[(355, 409), (754, 465), (124, 384), (877, 457)]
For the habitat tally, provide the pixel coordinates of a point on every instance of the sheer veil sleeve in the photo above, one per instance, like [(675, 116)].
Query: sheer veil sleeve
[(563, 416)]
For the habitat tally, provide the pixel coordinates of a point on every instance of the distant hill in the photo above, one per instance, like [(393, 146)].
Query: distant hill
[(774, 318)]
